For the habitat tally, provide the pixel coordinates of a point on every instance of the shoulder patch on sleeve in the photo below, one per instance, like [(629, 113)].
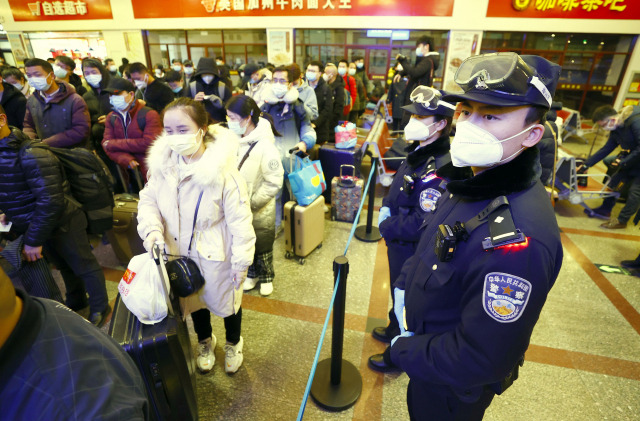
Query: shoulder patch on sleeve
[(274, 164), (428, 199), (505, 296)]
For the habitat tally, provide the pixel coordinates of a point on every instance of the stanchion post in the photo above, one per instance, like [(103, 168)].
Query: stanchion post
[(337, 384), (368, 233)]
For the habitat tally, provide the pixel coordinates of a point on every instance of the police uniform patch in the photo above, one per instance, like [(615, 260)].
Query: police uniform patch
[(505, 296), (428, 199), (274, 164)]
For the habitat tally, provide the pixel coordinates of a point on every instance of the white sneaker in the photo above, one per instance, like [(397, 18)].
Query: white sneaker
[(266, 288), (233, 356), (206, 358), (249, 283)]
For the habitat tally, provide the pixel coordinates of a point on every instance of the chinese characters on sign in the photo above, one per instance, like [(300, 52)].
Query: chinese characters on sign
[(213, 6), (565, 9), (51, 8)]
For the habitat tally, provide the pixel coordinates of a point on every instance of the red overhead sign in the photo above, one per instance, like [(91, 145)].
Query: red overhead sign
[(42, 10), (565, 9), (228, 8)]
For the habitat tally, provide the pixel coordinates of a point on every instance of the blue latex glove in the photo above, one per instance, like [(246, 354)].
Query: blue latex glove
[(383, 214), (402, 335), (398, 307)]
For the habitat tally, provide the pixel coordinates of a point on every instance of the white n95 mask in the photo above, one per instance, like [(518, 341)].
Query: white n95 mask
[(472, 146), (417, 130), (184, 144), (93, 80)]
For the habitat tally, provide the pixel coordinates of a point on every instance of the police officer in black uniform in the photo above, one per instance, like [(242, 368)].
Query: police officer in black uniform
[(413, 193), (468, 300)]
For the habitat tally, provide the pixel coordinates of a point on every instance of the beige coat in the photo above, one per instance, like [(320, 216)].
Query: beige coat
[(223, 236)]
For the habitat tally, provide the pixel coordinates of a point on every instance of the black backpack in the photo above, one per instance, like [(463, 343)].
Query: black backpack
[(90, 182), (141, 117)]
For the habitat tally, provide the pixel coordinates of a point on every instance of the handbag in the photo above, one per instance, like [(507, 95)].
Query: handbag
[(307, 181), (184, 274), (141, 290), (346, 136)]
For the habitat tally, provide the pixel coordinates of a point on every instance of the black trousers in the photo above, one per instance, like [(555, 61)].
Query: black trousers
[(71, 253), (202, 325), (431, 402)]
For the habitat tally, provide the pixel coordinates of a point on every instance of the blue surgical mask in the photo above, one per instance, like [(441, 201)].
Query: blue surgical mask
[(207, 79), (342, 71), (118, 102), (359, 65), (176, 90), (93, 80), (279, 90), (39, 83), (311, 76), (419, 52)]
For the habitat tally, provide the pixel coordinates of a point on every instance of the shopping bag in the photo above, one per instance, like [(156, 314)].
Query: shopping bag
[(141, 290), (307, 181), (346, 136)]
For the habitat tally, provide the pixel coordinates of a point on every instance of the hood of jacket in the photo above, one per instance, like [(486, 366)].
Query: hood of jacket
[(9, 92), (15, 140), (629, 111), (290, 97), (303, 84), (262, 132), (220, 155), (206, 66), (64, 91), (434, 56)]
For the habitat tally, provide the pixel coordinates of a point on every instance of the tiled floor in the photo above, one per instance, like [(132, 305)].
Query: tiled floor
[(583, 362)]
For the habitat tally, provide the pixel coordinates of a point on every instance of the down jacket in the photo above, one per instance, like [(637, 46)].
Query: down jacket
[(63, 122), (258, 91), (223, 238), (124, 141), (14, 104), (263, 173), (33, 192)]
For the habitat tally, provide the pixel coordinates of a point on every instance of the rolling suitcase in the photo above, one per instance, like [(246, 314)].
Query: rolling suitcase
[(332, 158), (303, 228), (163, 355), (346, 194)]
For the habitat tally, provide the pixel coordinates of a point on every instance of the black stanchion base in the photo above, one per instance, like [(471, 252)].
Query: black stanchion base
[(362, 235), (336, 397)]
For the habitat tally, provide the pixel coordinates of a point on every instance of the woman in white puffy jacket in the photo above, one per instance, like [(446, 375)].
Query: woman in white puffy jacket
[(194, 162), (259, 164)]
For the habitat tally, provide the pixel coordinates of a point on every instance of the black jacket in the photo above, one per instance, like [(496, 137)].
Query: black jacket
[(33, 191), (157, 95), (324, 95), (98, 104), (218, 90), (14, 104), (76, 82), (627, 136), (419, 74), (338, 87)]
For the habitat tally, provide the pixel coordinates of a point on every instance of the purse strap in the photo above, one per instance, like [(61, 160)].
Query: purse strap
[(195, 217), (246, 155)]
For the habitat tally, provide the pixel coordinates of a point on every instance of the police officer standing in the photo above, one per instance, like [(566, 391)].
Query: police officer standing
[(414, 193), (491, 252)]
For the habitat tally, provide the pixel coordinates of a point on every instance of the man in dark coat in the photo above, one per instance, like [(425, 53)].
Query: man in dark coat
[(420, 73), (337, 85), (468, 300), (155, 93), (40, 208), (207, 86), (324, 95), (14, 102)]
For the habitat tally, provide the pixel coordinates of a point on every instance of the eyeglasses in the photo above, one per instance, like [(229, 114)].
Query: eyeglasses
[(505, 73)]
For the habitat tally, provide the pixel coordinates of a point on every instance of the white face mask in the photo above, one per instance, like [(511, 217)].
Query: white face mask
[(93, 80), (141, 84), (207, 79), (218, 63), (611, 124), (188, 70), (185, 144), (352, 72), (39, 83), (419, 52), (237, 127), (359, 65), (176, 67), (59, 72), (399, 68), (473, 146), (18, 86), (158, 73), (325, 77), (342, 71), (311, 76), (279, 90), (113, 68), (118, 102), (415, 130)]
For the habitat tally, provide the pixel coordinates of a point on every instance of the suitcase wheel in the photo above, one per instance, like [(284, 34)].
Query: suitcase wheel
[(319, 246), (287, 255), (333, 214), (301, 260)]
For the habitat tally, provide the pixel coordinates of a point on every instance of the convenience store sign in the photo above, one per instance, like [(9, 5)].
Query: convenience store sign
[(565, 9), (43, 10), (207, 8)]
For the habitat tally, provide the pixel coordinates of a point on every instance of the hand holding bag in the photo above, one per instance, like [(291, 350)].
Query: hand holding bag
[(142, 291), (307, 181), (184, 274)]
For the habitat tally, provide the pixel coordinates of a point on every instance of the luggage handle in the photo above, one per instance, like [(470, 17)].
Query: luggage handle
[(353, 170), (164, 276)]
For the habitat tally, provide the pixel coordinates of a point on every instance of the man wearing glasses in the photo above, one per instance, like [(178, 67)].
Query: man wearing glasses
[(468, 299)]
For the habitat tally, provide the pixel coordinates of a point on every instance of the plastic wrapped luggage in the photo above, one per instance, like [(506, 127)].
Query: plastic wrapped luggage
[(346, 194), (332, 158), (303, 228), (163, 354)]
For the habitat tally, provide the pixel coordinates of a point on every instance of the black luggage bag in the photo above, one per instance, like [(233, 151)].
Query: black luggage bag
[(164, 357)]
